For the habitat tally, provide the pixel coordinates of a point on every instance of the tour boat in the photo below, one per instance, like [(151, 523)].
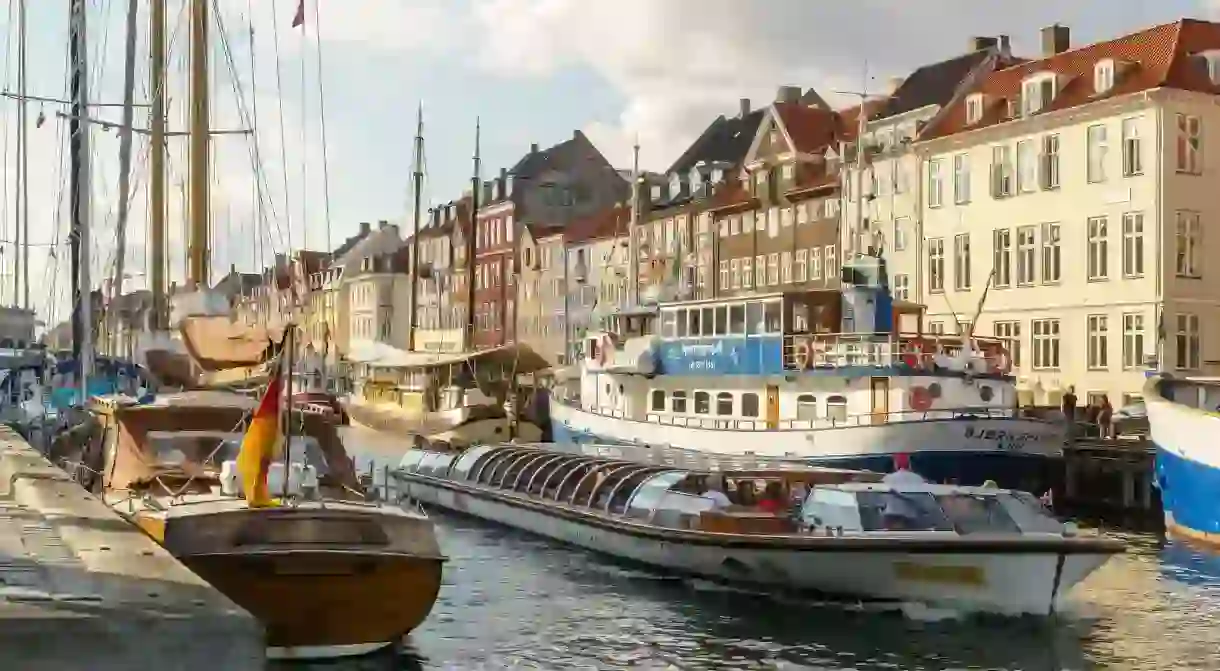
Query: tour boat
[(1184, 420), (845, 533), (829, 377), (329, 573)]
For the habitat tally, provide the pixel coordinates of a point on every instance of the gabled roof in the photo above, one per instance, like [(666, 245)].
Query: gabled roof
[(812, 129), (935, 84), (561, 156), (608, 223), (445, 228), (1157, 57), (725, 140)]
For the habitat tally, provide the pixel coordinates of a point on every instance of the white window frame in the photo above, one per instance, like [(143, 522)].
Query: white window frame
[(1047, 346), (1011, 332), (936, 265), (1001, 171), (902, 287), (800, 272), (901, 227), (1133, 340), (1048, 169), (1001, 246), (1103, 76), (961, 179), (1190, 144), (1098, 257), (1027, 167), (1133, 244), (974, 108), (1052, 253), (1187, 348), (961, 262), (935, 183), (1189, 245), (1027, 255), (1098, 342), (1133, 158), (1096, 151)]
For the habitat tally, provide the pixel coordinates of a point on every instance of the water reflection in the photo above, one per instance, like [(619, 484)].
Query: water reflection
[(511, 600)]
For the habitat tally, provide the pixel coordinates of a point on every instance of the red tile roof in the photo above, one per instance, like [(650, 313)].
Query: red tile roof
[(608, 223), (812, 129), (1157, 57)]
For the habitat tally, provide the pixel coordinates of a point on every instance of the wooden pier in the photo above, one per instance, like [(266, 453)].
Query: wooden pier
[(80, 588), (1114, 479)]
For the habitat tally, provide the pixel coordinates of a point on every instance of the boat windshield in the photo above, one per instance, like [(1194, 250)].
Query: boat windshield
[(973, 514), (901, 511), (210, 449)]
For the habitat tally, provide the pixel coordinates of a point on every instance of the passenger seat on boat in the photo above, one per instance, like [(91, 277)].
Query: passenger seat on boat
[(715, 493)]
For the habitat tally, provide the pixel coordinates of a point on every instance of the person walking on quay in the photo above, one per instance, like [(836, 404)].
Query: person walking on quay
[(1069, 405), (1105, 418)]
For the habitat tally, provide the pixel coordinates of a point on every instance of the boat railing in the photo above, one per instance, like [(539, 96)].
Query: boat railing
[(881, 350), (841, 421)]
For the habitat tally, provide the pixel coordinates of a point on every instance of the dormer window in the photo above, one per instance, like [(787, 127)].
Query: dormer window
[(1103, 76), (787, 172), (1038, 92), (656, 193), (717, 176), (695, 180), (974, 108), (675, 184), (1211, 60)]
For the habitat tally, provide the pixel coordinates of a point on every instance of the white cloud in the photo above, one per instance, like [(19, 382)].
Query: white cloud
[(679, 63)]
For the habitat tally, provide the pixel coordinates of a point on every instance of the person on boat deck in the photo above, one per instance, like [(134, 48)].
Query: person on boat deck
[(772, 499), (715, 493)]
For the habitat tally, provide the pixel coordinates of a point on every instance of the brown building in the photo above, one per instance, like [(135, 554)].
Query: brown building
[(548, 188)]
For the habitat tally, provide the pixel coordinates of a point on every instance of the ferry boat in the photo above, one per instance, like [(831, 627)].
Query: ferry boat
[(829, 377), (1184, 420), (779, 526)]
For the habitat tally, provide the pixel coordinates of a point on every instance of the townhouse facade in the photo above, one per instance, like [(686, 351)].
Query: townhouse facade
[(379, 295), (439, 295), (596, 273), (1072, 191), (540, 307), (546, 188)]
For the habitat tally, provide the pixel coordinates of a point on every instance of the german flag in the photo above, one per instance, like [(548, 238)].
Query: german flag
[(259, 446)]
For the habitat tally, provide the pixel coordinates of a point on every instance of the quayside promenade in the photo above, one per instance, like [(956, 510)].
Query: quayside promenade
[(80, 588)]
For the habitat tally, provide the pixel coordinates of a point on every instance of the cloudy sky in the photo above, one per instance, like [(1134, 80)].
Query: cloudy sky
[(533, 70)]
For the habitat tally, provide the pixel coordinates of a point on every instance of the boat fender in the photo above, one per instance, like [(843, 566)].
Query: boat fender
[(920, 399), (802, 355)]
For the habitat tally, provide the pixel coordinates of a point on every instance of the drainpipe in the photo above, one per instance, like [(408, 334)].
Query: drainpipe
[(1160, 233)]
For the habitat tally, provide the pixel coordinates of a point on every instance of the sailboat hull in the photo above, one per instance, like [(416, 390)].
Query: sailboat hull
[(326, 604)]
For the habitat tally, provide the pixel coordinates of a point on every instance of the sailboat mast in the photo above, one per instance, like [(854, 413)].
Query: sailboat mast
[(129, 85), (476, 186), (82, 331), (22, 253), (199, 261), (417, 182), (156, 160)]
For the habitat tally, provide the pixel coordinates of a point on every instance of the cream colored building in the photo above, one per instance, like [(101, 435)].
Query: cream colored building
[(1085, 181), (540, 291), (441, 316)]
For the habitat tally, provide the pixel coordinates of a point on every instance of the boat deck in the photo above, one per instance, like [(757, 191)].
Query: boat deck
[(82, 589)]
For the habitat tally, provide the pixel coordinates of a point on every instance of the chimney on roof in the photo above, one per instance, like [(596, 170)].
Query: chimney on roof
[(979, 43), (364, 228), (1056, 39), (894, 84), (788, 94), (1005, 46), (745, 107), (233, 268), (382, 224), (534, 148)]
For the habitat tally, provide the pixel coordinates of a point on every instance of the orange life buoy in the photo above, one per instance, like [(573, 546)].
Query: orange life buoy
[(802, 355), (920, 399)]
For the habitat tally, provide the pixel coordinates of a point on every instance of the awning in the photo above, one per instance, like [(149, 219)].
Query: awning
[(379, 355)]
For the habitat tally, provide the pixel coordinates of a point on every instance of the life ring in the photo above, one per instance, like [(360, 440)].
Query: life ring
[(920, 399), (1000, 363), (802, 355)]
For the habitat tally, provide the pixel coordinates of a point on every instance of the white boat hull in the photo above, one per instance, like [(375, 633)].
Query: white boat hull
[(1018, 453), (1010, 583)]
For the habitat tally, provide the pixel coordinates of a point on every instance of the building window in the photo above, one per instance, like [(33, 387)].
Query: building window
[(1046, 344), (934, 183), (703, 403), (1001, 245), (1189, 245), (936, 264), (1133, 244), (785, 267), (658, 399), (1190, 144), (974, 108), (902, 287), (1026, 255), (800, 268), (1011, 333), (735, 273), (832, 263), (678, 401), (901, 226), (749, 405), (1133, 340), (724, 275), (1099, 337), (961, 179), (1052, 254), (1096, 150), (1187, 350), (936, 328), (1001, 171), (1099, 248), (1133, 160), (1037, 94), (1103, 76), (724, 403), (961, 262), (760, 271), (1049, 171), (1027, 167), (815, 263), (747, 273), (773, 269)]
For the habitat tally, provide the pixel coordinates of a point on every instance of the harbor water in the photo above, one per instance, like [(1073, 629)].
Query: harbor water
[(514, 601)]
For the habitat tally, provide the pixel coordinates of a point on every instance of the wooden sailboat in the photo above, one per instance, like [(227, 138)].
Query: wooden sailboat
[(329, 571)]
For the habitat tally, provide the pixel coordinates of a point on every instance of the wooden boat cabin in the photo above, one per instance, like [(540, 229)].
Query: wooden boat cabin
[(651, 493)]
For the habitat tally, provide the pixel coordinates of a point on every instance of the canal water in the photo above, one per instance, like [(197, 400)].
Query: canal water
[(514, 601)]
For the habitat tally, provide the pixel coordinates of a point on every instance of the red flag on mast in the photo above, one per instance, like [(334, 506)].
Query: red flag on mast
[(299, 19)]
